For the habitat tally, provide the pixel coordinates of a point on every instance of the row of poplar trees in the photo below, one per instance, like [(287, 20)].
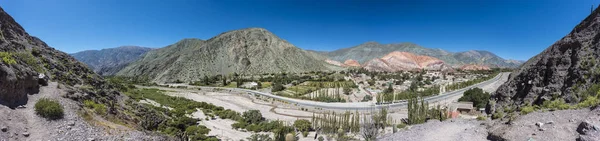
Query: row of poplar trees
[(332, 122), (419, 111)]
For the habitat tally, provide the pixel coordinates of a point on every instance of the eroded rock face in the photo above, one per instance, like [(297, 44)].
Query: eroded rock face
[(397, 61), (351, 63), (566, 70), (15, 84), (335, 63)]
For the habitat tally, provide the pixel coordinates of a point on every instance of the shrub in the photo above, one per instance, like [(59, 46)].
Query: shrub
[(49, 109), (7, 58), (497, 115), (481, 118), (401, 125), (97, 107), (526, 110), (259, 137), (558, 104), (589, 102), (253, 116), (302, 125)]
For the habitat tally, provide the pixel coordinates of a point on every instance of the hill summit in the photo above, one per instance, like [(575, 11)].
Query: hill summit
[(245, 51)]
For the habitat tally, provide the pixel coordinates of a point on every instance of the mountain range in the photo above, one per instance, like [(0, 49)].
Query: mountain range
[(110, 61), (256, 50), (369, 50), (245, 51)]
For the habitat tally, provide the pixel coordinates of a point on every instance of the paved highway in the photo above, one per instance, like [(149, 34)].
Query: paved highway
[(365, 105)]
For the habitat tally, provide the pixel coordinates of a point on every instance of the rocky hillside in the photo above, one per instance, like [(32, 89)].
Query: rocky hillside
[(109, 61), (484, 58), (27, 63), (367, 51), (396, 61), (568, 70), (246, 51)]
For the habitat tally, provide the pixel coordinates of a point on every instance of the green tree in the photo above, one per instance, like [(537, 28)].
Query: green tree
[(303, 125), (277, 86), (389, 90), (477, 96), (253, 116), (206, 80), (371, 82), (258, 85), (347, 90)]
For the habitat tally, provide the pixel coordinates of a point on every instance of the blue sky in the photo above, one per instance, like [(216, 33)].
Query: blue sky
[(513, 29)]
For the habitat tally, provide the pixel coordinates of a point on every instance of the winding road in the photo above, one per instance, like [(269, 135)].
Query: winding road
[(367, 105)]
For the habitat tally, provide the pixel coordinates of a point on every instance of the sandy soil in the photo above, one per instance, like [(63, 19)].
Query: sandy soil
[(240, 103)]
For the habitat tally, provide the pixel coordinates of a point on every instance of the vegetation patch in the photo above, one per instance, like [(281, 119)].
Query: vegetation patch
[(558, 104), (481, 118), (97, 107), (7, 58), (527, 109), (49, 109), (498, 115)]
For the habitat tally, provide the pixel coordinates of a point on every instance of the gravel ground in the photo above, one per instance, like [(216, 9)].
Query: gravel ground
[(433, 130), (537, 126), (72, 127), (557, 125)]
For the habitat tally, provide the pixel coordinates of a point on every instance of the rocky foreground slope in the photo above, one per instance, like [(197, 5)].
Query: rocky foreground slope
[(568, 70), (566, 125), (27, 63), (397, 61), (107, 62), (246, 51)]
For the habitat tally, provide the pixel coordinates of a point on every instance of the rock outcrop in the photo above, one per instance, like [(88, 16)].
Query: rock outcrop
[(397, 61), (335, 63), (568, 70)]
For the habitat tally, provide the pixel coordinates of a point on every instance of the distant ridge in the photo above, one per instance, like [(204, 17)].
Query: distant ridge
[(369, 50), (112, 60)]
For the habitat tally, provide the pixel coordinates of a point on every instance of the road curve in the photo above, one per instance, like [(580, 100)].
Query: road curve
[(362, 105)]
